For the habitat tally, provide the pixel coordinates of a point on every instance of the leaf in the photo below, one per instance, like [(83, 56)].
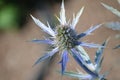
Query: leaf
[(62, 14), (113, 10), (113, 25), (77, 75), (99, 56), (88, 67), (49, 54), (42, 41), (64, 61), (90, 45), (118, 1), (43, 26), (116, 47), (76, 19), (89, 31)]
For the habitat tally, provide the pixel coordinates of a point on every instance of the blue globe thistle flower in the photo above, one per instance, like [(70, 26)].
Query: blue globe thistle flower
[(64, 38), (92, 73)]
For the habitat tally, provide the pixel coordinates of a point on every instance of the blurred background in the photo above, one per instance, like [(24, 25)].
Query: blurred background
[(17, 56)]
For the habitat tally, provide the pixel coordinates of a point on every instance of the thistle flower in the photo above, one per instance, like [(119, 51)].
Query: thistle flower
[(64, 38), (91, 74)]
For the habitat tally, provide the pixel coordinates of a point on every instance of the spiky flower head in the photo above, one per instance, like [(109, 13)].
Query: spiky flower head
[(64, 38)]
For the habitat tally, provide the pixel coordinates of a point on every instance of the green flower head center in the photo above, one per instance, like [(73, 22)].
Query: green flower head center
[(66, 37)]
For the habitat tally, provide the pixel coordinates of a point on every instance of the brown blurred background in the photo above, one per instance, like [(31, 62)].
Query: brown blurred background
[(17, 56)]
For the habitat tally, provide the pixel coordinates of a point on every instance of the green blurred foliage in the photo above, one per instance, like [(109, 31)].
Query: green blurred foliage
[(13, 13), (8, 17)]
